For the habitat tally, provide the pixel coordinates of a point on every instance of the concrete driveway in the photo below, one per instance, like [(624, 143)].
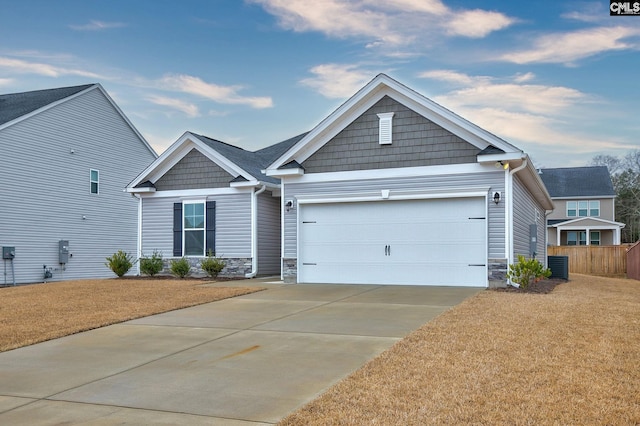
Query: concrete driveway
[(248, 360)]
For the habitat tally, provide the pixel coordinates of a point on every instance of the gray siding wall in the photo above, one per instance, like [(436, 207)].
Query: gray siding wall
[(44, 188), (524, 214), (268, 234), (194, 171), (416, 142), (493, 179), (233, 225)]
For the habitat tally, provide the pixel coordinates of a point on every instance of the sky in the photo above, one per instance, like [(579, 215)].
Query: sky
[(558, 79)]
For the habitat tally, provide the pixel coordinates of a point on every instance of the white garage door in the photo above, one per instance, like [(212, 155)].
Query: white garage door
[(415, 242)]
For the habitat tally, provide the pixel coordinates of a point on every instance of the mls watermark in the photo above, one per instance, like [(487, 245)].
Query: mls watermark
[(624, 8)]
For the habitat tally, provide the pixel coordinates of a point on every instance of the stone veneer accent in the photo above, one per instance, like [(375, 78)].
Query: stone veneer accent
[(234, 268), (497, 273), (290, 270)]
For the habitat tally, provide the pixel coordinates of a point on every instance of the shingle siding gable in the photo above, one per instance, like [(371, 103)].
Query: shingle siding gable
[(416, 142), (194, 171)]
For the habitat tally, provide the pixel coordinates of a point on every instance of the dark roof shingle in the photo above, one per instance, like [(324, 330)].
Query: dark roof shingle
[(578, 182), (15, 105)]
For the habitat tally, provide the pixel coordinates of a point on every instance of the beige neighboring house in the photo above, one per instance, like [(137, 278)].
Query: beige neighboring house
[(584, 201)]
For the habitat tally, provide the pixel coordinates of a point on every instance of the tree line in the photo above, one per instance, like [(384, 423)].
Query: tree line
[(625, 176)]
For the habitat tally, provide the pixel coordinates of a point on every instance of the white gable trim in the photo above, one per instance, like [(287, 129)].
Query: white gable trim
[(575, 223), (177, 151), (365, 98)]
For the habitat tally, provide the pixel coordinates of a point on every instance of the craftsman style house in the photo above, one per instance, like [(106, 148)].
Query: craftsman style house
[(584, 212), (67, 154)]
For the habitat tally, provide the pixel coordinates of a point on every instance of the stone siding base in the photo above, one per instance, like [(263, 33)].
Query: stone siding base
[(290, 270), (497, 273), (235, 267)]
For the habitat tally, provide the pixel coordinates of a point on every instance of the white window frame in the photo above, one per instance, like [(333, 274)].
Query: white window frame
[(593, 241), (203, 228), (92, 181), (385, 128), (577, 241), (586, 205), (593, 203)]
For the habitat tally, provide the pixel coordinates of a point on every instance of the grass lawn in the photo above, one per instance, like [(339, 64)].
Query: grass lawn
[(571, 357), (39, 312)]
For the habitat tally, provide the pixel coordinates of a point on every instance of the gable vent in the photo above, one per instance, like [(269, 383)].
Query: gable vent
[(385, 128)]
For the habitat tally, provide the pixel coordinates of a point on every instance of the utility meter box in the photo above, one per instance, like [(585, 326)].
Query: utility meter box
[(8, 252), (63, 251)]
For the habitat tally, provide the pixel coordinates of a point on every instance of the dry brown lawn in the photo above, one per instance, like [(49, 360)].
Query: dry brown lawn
[(571, 357), (39, 312)]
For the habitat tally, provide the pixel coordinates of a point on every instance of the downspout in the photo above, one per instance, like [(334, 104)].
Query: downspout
[(139, 239), (510, 210), (254, 232)]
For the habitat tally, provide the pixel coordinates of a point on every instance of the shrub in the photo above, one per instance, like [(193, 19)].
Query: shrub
[(212, 265), (180, 267), (120, 263), (151, 265), (525, 271)]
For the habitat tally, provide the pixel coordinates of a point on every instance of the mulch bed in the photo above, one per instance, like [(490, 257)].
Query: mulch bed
[(541, 287)]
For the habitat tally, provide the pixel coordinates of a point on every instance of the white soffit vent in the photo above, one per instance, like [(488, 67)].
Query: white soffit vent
[(385, 128)]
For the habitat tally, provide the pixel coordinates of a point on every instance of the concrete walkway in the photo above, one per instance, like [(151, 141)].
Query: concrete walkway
[(243, 361)]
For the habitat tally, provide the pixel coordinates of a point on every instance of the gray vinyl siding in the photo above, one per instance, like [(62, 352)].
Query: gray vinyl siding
[(194, 171), (45, 191), (524, 214), (493, 179), (233, 225), (268, 234), (416, 142)]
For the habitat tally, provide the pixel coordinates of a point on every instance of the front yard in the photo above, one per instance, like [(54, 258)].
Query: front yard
[(571, 357)]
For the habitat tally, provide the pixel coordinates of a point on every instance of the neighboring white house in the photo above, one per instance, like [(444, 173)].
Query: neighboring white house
[(67, 155)]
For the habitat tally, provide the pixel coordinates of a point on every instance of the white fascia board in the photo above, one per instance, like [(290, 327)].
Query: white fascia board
[(507, 156), (569, 223), (400, 172), (139, 190), (196, 193), (394, 195), (590, 197), (284, 172)]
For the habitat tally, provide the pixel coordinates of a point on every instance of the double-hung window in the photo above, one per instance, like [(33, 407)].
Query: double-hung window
[(194, 228), (575, 238), (583, 208), (94, 180)]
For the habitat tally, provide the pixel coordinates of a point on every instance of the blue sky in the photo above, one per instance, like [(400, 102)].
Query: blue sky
[(558, 79)]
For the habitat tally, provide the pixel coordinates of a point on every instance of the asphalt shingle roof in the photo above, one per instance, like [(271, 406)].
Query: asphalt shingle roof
[(15, 105), (578, 182), (252, 162)]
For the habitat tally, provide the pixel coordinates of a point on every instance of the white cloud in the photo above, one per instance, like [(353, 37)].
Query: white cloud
[(189, 109), (337, 81), (477, 23), (390, 24), (212, 91), (97, 26), (21, 66), (572, 46), (6, 82)]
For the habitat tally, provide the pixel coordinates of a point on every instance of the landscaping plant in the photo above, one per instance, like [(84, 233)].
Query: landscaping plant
[(120, 263), (151, 265), (526, 271), (180, 267), (212, 265)]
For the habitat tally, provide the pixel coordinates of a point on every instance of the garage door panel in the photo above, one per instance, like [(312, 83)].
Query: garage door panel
[(421, 242)]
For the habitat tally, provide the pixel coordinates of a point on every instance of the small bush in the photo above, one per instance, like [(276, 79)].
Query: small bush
[(180, 267), (151, 265), (525, 271), (120, 263), (212, 265)]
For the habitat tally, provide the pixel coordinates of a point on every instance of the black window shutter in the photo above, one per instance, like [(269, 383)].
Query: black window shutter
[(177, 229), (211, 228)]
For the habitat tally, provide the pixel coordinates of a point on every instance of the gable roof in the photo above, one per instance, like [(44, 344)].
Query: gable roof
[(15, 107), (383, 85), (246, 166), (570, 182)]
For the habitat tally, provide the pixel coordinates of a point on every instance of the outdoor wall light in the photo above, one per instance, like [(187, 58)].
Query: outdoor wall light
[(496, 197), (502, 165), (288, 205)]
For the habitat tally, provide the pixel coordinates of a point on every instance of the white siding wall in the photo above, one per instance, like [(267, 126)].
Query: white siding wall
[(494, 179), (233, 225), (268, 234), (44, 188)]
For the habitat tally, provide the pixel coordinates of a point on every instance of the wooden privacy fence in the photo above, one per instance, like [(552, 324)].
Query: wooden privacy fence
[(633, 261), (594, 260)]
